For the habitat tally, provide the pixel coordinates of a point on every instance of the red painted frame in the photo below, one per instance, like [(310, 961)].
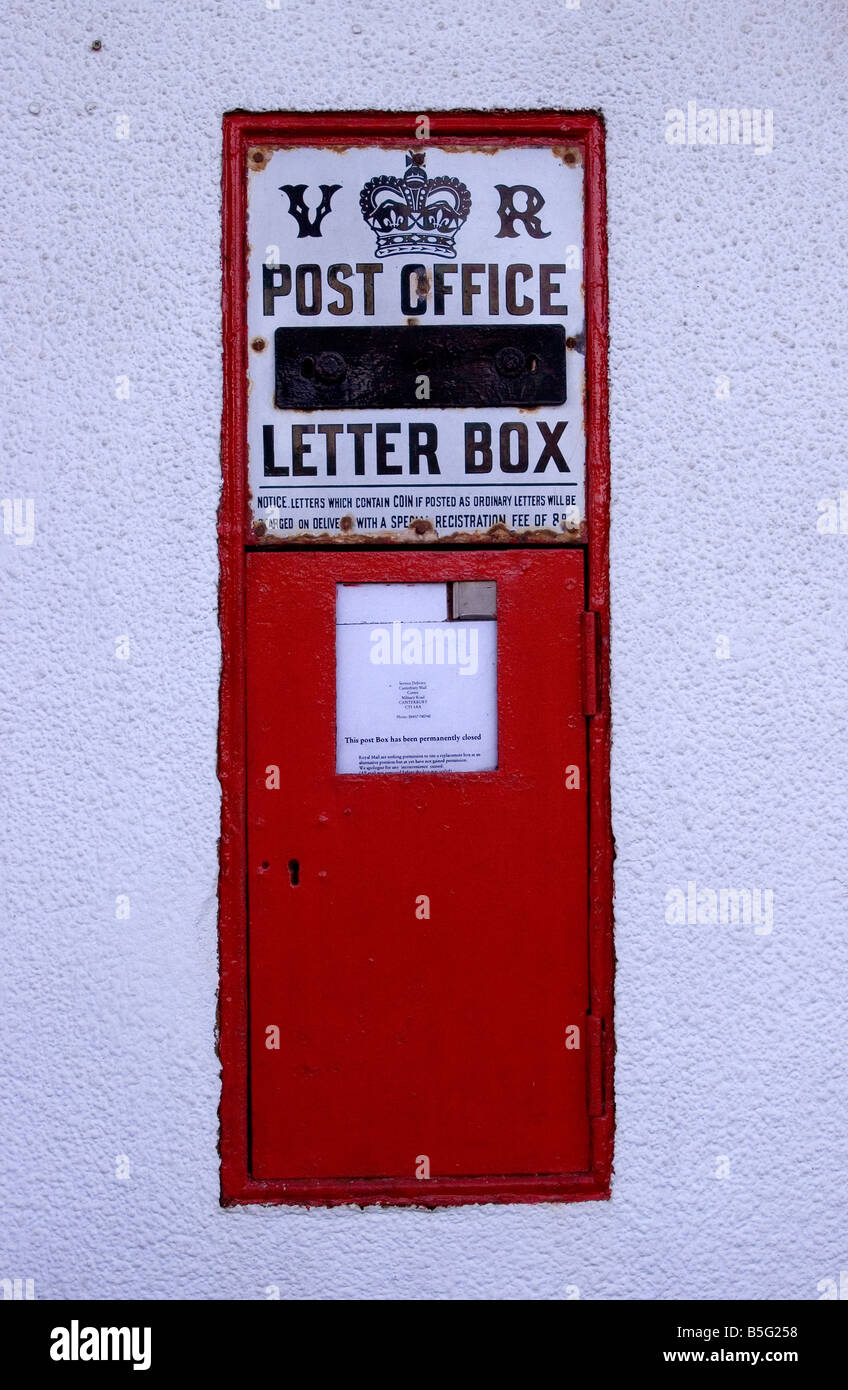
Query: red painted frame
[(241, 130)]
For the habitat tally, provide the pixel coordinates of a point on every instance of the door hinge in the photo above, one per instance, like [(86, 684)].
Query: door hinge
[(595, 1079), (591, 647)]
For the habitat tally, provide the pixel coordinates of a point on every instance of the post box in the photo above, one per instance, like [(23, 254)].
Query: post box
[(416, 854)]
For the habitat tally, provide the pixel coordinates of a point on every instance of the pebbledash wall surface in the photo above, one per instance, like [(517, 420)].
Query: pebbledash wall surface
[(729, 664)]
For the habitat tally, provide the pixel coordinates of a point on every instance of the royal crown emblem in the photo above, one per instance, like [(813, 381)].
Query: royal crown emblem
[(415, 214)]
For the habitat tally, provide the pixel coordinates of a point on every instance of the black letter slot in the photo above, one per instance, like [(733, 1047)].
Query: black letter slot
[(372, 368)]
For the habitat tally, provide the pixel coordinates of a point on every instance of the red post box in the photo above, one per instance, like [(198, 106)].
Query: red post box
[(416, 916)]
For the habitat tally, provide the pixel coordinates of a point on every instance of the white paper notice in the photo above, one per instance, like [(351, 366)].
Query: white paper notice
[(415, 691)]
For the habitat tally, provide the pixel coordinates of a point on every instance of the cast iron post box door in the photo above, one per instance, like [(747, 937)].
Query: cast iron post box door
[(408, 940)]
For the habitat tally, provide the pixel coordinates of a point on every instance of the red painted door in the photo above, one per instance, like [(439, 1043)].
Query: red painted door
[(384, 1042)]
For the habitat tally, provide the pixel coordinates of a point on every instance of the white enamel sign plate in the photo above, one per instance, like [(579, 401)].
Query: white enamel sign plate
[(499, 235)]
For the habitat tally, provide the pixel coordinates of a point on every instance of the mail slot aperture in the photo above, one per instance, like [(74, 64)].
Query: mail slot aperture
[(448, 365)]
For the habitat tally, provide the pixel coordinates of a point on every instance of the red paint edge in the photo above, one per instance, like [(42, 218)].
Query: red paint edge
[(452, 127)]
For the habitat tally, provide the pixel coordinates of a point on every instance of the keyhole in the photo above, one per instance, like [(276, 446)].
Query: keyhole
[(294, 872)]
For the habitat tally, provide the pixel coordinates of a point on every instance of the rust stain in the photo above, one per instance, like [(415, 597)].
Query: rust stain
[(572, 155), (421, 533), (577, 343), (260, 344), (290, 146), (401, 143), (258, 156), (451, 148)]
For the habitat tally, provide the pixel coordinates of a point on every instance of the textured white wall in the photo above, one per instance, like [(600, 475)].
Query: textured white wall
[(729, 772)]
